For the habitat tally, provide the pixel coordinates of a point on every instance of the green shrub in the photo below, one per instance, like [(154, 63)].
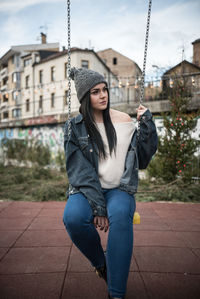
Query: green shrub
[(34, 184), (50, 191), (27, 150), (60, 160), (41, 173)]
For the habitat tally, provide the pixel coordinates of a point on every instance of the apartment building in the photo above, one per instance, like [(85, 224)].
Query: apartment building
[(11, 69), (127, 71), (40, 96), (34, 85), (187, 70)]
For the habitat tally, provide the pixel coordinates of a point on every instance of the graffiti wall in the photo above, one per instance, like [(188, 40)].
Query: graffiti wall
[(52, 135), (48, 135)]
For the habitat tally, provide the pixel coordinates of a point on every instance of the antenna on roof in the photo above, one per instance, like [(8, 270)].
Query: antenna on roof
[(44, 28), (43, 34), (182, 47)]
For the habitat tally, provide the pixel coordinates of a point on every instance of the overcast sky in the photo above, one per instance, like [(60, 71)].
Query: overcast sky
[(117, 24)]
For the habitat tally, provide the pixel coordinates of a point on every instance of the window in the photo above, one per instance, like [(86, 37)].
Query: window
[(27, 62), (5, 81), (37, 58), (40, 102), (16, 113), (14, 95), (27, 105), (85, 64), (52, 100), (114, 60), (41, 76), (27, 81), (5, 114), (53, 73), (17, 60), (65, 70), (5, 98), (65, 97), (13, 59), (14, 77)]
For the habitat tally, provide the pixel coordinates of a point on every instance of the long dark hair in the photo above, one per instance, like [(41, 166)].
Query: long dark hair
[(88, 116)]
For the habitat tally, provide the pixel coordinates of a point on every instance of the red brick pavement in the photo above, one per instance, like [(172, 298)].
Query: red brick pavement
[(38, 260)]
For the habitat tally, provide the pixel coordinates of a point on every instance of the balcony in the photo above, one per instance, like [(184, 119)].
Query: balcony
[(3, 73), (3, 106), (4, 87)]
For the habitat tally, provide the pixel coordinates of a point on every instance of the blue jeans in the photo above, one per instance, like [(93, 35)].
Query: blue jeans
[(78, 220)]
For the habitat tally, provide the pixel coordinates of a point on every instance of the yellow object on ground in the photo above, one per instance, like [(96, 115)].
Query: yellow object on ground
[(136, 218)]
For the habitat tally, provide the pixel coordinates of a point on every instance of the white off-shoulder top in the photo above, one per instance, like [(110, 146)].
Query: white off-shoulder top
[(111, 169)]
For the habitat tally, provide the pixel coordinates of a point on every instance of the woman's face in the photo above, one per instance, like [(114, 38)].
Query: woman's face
[(99, 97)]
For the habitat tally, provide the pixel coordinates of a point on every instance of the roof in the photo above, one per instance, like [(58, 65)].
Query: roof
[(27, 48), (7, 55), (179, 64), (43, 54), (196, 41), (64, 52), (53, 56)]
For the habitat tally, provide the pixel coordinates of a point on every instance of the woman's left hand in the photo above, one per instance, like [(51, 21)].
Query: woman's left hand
[(140, 110), (101, 222)]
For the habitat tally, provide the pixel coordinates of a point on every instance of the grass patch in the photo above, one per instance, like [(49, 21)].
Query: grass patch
[(39, 184), (32, 184), (166, 192)]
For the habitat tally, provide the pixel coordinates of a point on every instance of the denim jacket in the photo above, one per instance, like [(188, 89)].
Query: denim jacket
[(82, 160)]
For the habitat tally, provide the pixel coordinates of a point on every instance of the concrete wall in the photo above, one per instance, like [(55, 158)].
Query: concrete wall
[(53, 135), (48, 135)]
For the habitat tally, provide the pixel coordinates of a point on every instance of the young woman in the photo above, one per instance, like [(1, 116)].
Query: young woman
[(103, 156)]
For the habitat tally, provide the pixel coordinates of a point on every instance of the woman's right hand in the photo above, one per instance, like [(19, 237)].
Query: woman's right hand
[(140, 110), (101, 222)]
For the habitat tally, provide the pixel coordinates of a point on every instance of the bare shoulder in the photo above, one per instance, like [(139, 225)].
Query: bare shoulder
[(118, 116)]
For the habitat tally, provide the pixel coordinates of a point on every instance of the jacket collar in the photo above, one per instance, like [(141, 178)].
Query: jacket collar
[(78, 118)]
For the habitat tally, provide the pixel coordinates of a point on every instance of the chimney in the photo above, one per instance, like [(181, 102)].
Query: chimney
[(196, 52), (43, 38)]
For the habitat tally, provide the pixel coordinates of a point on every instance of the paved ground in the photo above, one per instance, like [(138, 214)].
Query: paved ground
[(38, 260)]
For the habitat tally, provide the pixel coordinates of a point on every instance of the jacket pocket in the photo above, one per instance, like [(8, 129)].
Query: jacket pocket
[(86, 148), (83, 142)]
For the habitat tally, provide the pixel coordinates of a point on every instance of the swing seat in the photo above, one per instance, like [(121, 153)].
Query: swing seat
[(136, 218)]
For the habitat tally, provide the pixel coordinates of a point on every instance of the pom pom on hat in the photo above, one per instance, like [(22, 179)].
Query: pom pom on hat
[(84, 80)]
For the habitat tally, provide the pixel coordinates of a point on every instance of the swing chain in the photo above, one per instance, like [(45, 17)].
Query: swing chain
[(145, 53), (69, 65), (144, 62), (69, 68)]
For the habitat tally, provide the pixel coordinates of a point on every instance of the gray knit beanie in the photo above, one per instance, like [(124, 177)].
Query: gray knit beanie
[(84, 80)]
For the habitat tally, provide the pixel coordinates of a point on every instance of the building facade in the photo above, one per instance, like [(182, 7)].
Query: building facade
[(11, 70), (127, 71), (186, 71), (41, 96)]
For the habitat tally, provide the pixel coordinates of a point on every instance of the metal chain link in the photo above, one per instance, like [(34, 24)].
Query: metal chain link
[(69, 64), (142, 83), (145, 53), (69, 68)]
